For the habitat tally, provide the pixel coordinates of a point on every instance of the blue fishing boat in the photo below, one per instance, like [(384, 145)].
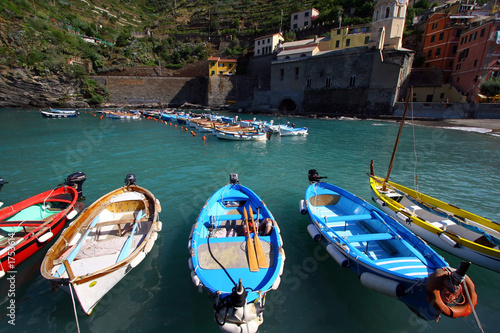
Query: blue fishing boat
[(237, 256), (385, 255)]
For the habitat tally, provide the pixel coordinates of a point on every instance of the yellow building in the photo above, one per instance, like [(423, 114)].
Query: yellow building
[(218, 66), (346, 37)]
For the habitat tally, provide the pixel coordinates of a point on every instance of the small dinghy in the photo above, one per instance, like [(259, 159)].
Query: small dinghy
[(236, 255), (27, 226), (104, 243), (386, 256)]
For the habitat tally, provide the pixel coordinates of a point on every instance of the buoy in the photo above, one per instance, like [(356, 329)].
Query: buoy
[(182, 127), (311, 229), (382, 285), (102, 116), (185, 128), (302, 207), (339, 257), (170, 124), (175, 125), (203, 138), (194, 134)]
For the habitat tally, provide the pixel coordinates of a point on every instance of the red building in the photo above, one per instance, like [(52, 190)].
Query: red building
[(478, 56), (442, 36)]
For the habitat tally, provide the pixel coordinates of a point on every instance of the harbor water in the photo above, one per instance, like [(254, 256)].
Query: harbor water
[(183, 170)]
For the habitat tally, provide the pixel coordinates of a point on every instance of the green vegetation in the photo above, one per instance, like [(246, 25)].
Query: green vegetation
[(490, 88)]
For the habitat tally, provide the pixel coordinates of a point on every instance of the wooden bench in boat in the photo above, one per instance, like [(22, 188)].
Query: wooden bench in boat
[(370, 237), (235, 217), (341, 220)]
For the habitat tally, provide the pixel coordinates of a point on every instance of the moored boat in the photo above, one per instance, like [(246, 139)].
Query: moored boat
[(55, 113), (240, 135), (289, 130), (385, 255), (110, 238), (452, 229), (27, 226), (235, 269)]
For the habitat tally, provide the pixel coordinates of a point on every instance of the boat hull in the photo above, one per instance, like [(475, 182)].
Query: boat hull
[(95, 246), (26, 234), (219, 250), (386, 256), (438, 232), (240, 136)]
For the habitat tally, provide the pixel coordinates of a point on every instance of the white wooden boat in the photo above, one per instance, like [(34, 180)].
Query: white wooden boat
[(240, 135), (104, 243)]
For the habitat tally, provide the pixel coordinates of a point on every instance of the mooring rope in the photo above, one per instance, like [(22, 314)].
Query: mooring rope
[(74, 308)]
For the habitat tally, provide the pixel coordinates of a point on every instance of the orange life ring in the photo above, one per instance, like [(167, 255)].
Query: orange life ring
[(436, 284)]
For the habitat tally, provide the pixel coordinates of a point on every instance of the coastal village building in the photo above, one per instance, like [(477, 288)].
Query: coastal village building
[(478, 56), (366, 76), (346, 37), (303, 19), (218, 66), (267, 44)]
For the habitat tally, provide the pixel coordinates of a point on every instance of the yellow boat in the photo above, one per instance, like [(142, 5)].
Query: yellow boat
[(459, 232)]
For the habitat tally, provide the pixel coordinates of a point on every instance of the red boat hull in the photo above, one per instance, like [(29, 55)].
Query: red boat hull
[(18, 247)]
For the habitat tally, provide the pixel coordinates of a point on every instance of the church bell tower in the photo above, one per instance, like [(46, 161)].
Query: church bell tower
[(388, 24)]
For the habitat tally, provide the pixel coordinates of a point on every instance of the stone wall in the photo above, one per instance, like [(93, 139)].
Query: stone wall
[(238, 88), (137, 90)]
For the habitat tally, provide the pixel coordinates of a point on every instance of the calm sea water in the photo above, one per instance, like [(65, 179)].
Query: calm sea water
[(316, 295)]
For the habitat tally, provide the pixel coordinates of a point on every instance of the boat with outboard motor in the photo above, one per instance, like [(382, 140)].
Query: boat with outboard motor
[(386, 256), (110, 238), (236, 269), (27, 226)]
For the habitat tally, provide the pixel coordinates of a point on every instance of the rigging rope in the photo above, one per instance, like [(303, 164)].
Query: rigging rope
[(74, 307), (415, 177)]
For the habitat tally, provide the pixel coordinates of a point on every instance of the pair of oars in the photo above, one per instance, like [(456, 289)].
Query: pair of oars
[(256, 256)]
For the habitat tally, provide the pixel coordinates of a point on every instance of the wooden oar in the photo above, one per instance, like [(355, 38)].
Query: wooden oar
[(261, 257), (73, 253), (252, 258)]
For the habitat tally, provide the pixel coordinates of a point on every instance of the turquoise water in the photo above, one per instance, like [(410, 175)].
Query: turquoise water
[(182, 171)]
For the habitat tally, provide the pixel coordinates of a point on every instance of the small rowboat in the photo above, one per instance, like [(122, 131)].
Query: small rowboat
[(27, 226), (285, 130), (236, 270), (240, 135), (54, 113), (386, 256), (104, 243)]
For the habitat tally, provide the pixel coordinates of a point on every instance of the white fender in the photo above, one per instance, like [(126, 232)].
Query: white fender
[(190, 264), (137, 260), (149, 245), (314, 233), (380, 202), (402, 217), (45, 237), (71, 214), (446, 239), (2, 273), (276, 283), (382, 285), (158, 205), (339, 257), (159, 225), (196, 279), (154, 236), (303, 207)]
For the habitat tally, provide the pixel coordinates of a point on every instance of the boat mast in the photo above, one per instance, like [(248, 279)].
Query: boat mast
[(410, 95)]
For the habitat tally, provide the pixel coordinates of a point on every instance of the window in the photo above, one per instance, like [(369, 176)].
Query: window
[(296, 73), (352, 81), (441, 96), (450, 64), (212, 73), (454, 50), (433, 38), (308, 82), (296, 17), (475, 63), (282, 74), (306, 14), (458, 67), (438, 51), (337, 44), (429, 98), (367, 39), (295, 26), (458, 78), (434, 26), (387, 12), (482, 33), (429, 54), (347, 42), (221, 65), (338, 32), (268, 40), (328, 82), (441, 36), (258, 51), (306, 23), (258, 42)]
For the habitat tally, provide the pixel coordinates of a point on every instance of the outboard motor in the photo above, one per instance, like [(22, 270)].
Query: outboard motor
[(238, 297), (2, 183), (76, 181), (233, 178), (458, 276), (314, 176), (130, 179)]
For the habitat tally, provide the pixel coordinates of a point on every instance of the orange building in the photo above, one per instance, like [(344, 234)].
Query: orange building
[(442, 36), (478, 56)]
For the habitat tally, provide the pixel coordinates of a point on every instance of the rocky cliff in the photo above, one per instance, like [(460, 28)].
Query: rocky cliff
[(19, 88)]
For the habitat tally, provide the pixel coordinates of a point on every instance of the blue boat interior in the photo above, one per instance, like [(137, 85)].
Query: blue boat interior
[(221, 244), (367, 234)]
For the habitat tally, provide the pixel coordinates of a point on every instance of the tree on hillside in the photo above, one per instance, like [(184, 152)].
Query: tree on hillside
[(490, 88)]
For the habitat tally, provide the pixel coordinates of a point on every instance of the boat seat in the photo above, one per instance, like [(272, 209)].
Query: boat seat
[(235, 217), (332, 221), (443, 224), (369, 237), (413, 209)]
